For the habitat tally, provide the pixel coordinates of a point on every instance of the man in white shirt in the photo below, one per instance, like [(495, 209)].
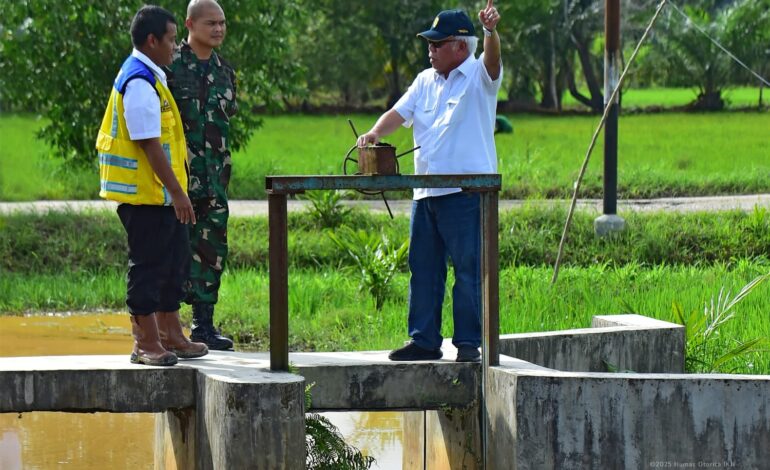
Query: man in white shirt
[(142, 166), (452, 108)]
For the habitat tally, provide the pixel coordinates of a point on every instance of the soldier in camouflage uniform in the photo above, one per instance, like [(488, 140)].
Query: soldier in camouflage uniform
[(203, 86)]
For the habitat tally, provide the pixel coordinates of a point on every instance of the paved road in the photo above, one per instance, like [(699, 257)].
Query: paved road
[(259, 207)]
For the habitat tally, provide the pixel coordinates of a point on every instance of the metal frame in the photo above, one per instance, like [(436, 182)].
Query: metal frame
[(279, 187)]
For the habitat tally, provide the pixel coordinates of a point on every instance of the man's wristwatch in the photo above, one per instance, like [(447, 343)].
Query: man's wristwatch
[(487, 32)]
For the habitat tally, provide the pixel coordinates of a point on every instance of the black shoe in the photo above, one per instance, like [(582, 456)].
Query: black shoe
[(468, 354), (203, 330), (412, 352)]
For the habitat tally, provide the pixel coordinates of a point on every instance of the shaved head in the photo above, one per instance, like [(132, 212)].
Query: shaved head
[(197, 7)]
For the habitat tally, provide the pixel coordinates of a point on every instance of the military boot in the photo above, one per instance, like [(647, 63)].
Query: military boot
[(203, 330), (147, 347), (173, 339)]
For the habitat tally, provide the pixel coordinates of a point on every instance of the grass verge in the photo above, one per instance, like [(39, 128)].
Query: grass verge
[(329, 313), (529, 236)]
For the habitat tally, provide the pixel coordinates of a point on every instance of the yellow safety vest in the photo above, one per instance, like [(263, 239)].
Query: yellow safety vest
[(125, 173)]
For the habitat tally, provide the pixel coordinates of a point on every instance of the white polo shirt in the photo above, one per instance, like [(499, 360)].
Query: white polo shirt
[(454, 122), (141, 105)]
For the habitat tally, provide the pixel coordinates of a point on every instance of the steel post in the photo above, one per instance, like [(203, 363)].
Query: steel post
[(279, 282), (612, 69), (490, 298)]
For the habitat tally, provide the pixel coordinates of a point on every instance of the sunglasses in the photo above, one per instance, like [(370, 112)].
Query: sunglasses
[(439, 45)]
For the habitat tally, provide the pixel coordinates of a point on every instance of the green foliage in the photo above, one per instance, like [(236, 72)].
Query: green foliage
[(551, 43), (529, 236), (337, 67), (376, 258), (357, 49), (707, 350), (683, 56), (62, 242), (327, 208), (60, 58), (748, 34), (327, 450)]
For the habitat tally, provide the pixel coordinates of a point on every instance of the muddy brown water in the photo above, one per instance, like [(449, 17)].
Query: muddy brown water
[(47, 441)]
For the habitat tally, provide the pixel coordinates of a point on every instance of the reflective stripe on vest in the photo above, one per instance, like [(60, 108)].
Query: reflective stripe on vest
[(125, 173)]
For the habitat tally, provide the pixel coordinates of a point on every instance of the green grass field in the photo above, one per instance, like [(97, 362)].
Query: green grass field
[(739, 97), (663, 154)]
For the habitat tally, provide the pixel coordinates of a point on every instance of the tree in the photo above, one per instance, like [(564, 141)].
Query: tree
[(60, 58), (339, 50), (748, 35), (584, 20), (554, 40), (396, 22), (535, 43), (685, 57)]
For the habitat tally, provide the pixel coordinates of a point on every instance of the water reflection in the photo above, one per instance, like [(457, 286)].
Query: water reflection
[(10, 451), (376, 434), (104, 440)]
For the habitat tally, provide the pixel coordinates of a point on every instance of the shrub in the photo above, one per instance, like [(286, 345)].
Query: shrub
[(376, 258)]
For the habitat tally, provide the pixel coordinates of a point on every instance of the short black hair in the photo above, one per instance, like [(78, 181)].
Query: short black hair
[(150, 19)]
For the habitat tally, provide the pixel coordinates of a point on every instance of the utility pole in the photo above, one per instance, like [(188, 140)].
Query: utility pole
[(610, 222)]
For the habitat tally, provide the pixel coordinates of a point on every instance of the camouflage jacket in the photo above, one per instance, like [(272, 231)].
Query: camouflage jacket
[(206, 101)]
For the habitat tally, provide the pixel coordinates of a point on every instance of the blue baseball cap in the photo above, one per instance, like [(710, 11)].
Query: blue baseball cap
[(449, 23)]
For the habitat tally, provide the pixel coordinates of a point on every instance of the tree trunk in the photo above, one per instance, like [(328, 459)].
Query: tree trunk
[(596, 100), (709, 101), (548, 86), (395, 84), (572, 86), (554, 95)]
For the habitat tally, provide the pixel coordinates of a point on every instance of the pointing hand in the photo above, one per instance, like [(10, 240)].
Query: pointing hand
[(489, 16)]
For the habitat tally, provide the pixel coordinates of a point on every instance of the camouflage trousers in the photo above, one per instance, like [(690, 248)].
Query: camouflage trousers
[(208, 246)]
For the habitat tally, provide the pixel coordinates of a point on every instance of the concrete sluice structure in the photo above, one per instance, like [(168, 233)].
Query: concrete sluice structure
[(552, 406)]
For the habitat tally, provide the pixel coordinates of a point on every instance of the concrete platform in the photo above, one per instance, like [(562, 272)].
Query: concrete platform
[(343, 381), (228, 410)]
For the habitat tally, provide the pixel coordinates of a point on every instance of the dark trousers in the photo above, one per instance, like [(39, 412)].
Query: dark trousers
[(443, 228), (158, 258)]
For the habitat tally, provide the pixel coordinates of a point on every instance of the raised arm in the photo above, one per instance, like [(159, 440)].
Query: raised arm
[(489, 18)]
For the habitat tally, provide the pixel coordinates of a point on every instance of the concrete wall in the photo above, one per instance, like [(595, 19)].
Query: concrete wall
[(617, 342), (228, 410), (258, 424), (368, 380), (448, 439), (545, 419), (216, 412), (90, 384)]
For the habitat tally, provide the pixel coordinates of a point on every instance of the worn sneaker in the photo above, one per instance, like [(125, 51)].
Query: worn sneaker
[(468, 354), (412, 352)]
